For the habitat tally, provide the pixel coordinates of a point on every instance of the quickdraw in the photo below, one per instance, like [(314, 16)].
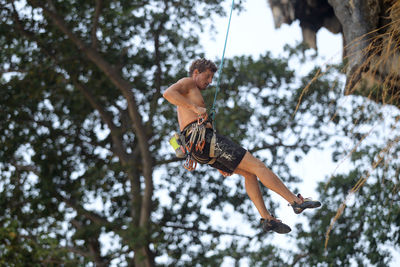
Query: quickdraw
[(197, 141), (190, 164), (197, 135)]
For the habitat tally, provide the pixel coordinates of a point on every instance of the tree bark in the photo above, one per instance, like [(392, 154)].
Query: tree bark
[(358, 19)]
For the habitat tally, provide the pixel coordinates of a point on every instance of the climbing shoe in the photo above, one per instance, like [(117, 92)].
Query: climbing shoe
[(308, 203), (276, 226)]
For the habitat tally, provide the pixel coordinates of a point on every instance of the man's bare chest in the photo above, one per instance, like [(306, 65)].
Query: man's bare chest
[(196, 97)]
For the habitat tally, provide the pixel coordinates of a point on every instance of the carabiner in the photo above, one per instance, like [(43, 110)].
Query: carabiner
[(202, 118)]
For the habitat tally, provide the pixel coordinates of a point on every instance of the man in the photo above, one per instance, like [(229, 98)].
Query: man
[(206, 146)]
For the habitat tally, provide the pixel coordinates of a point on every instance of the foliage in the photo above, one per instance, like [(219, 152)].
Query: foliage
[(359, 221)]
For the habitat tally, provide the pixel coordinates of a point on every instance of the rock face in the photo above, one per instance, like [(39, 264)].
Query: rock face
[(371, 39), (312, 15)]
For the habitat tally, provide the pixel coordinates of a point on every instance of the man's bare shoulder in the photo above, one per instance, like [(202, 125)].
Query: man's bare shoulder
[(183, 86), (186, 82)]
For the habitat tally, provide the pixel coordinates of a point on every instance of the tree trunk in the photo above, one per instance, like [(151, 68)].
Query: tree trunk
[(144, 258)]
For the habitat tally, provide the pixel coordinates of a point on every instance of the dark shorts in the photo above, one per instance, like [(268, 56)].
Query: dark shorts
[(227, 153)]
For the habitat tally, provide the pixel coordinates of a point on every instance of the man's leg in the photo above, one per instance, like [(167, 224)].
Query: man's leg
[(254, 193), (257, 168), (268, 222)]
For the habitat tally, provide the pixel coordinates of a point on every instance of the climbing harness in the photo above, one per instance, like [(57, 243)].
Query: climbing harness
[(196, 134), (193, 139)]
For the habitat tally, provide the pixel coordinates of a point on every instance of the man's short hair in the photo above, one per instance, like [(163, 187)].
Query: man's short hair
[(201, 65)]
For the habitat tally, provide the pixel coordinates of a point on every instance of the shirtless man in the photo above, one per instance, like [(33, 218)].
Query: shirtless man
[(230, 157)]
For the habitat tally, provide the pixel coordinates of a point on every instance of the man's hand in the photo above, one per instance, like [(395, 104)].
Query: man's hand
[(199, 110), (225, 174)]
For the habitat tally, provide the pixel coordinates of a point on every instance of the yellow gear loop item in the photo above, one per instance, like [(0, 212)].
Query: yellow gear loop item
[(176, 144)]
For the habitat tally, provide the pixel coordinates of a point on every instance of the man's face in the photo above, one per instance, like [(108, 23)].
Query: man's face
[(203, 79)]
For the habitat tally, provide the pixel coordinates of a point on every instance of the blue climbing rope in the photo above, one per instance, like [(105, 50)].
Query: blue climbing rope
[(213, 110)]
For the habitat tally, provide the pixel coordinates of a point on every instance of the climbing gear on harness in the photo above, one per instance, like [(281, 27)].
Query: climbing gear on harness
[(308, 203), (276, 226), (197, 137), (197, 134), (194, 140), (201, 119), (190, 164)]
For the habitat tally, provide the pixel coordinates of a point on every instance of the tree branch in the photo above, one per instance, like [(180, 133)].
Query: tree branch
[(115, 131), (82, 211), (157, 78), (26, 168), (299, 257), (10, 70), (124, 118), (157, 60), (96, 15), (167, 161), (136, 200), (71, 249), (207, 231), (83, 253), (93, 245), (266, 146)]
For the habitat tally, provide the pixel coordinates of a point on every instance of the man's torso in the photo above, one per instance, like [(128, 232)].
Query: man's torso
[(186, 116)]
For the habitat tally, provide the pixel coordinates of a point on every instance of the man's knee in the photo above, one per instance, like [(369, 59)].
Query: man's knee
[(251, 164), (245, 174), (256, 162)]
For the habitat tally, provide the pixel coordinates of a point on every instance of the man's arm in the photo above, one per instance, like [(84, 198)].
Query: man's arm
[(175, 94)]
